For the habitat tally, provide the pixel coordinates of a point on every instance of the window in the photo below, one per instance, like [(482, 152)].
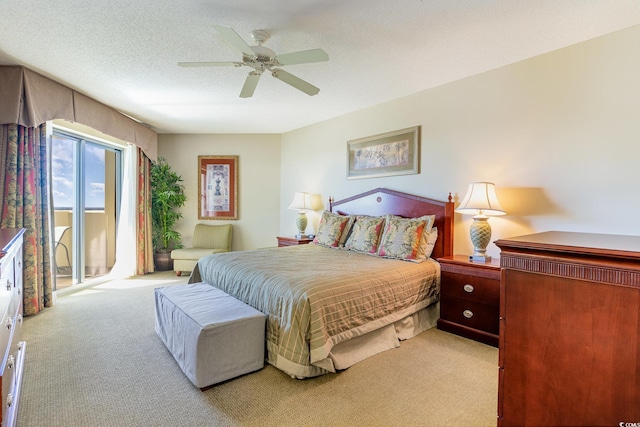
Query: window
[(85, 184)]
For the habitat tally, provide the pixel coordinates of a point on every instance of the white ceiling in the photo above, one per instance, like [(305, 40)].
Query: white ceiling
[(124, 53)]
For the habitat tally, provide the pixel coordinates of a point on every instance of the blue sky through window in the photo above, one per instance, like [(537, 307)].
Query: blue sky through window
[(62, 174)]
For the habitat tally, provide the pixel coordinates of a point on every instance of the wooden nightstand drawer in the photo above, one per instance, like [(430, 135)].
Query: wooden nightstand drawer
[(467, 287), (471, 314), (470, 298)]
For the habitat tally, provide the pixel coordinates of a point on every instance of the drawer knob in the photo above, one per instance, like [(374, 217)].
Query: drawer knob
[(10, 361), (9, 323), (468, 314), (9, 400), (9, 285), (468, 288)]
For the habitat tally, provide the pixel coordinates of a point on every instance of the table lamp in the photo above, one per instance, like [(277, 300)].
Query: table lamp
[(482, 202), (301, 203)]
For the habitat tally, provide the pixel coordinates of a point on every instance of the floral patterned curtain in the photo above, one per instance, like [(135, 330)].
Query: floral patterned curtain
[(144, 253), (23, 201)]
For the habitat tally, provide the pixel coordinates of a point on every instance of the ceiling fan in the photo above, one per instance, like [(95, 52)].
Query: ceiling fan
[(263, 59)]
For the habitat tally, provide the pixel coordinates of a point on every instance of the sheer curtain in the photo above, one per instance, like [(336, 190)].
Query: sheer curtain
[(125, 265), (24, 204), (134, 251)]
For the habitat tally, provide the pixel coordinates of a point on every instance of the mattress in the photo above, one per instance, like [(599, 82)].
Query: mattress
[(317, 297)]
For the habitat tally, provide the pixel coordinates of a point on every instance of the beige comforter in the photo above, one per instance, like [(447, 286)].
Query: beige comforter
[(316, 297)]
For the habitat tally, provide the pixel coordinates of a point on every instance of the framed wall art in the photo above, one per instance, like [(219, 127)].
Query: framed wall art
[(387, 154), (218, 187)]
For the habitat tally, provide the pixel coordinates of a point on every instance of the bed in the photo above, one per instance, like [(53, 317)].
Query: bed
[(331, 303)]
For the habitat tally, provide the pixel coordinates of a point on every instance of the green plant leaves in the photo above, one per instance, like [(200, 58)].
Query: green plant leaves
[(167, 195)]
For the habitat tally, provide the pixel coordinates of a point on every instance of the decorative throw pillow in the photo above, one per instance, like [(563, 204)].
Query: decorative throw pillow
[(430, 219), (365, 234), (347, 230), (426, 235), (427, 243), (401, 238), (330, 229)]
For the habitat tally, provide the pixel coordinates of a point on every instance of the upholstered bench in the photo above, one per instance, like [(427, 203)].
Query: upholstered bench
[(213, 336)]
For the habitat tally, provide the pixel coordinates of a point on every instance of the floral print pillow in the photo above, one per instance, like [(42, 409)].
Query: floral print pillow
[(401, 238), (330, 229), (427, 243), (365, 234)]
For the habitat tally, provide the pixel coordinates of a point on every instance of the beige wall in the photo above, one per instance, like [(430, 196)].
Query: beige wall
[(559, 134), (258, 183)]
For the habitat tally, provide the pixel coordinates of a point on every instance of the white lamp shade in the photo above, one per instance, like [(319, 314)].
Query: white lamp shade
[(481, 198), (301, 201)]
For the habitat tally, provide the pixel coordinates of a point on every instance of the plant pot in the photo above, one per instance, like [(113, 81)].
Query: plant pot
[(162, 261)]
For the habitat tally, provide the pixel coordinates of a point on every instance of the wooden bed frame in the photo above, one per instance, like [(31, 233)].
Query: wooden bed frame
[(381, 201)]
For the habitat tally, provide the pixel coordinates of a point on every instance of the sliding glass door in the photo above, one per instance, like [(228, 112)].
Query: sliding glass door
[(86, 184)]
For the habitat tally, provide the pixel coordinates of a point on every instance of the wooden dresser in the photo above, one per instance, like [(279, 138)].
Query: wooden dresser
[(569, 330), (12, 349)]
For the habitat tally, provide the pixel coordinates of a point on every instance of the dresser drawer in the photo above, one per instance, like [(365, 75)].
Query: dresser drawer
[(17, 271), (471, 288), (12, 351), (6, 288), (471, 314), (12, 383), (5, 335)]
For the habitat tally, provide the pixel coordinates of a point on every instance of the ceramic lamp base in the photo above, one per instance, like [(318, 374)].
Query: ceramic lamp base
[(301, 223), (480, 232)]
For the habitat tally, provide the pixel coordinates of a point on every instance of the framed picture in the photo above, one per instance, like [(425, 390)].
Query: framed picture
[(218, 187), (387, 154)]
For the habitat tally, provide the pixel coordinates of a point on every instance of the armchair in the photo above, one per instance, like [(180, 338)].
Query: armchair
[(207, 239)]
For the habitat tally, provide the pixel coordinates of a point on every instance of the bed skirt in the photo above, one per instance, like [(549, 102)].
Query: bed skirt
[(350, 352)]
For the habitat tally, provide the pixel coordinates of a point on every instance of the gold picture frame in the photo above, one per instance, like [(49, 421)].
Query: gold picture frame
[(218, 187), (386, 154)]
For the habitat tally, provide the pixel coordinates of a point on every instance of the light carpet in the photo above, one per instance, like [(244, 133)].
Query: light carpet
[(94, 359)]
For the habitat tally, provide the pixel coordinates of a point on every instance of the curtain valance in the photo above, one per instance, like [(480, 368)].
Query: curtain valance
[(30, 99)]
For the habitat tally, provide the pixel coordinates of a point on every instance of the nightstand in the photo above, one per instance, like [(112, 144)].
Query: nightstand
[(292, 241), (470, 298)]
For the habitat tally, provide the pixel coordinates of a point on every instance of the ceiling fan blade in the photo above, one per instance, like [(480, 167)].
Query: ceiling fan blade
[(303, 57), (250, 85), (232, 37), (210, 64), (294, 81)]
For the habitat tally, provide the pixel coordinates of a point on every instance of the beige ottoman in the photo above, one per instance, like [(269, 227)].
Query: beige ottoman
[(213, 336)]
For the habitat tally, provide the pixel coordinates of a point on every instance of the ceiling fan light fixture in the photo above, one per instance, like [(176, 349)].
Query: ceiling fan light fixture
[(261, 58), (259, 36)]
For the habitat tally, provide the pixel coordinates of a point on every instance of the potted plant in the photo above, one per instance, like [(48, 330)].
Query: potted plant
[(167, 195)]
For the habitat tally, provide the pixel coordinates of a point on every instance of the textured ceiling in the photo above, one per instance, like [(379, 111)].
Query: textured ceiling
[(124, 53)]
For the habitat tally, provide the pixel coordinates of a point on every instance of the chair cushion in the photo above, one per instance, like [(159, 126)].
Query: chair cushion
[(193, 253), (212, 236)]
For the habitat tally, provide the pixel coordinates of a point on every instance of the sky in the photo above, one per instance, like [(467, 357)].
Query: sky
[(62, 174)]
